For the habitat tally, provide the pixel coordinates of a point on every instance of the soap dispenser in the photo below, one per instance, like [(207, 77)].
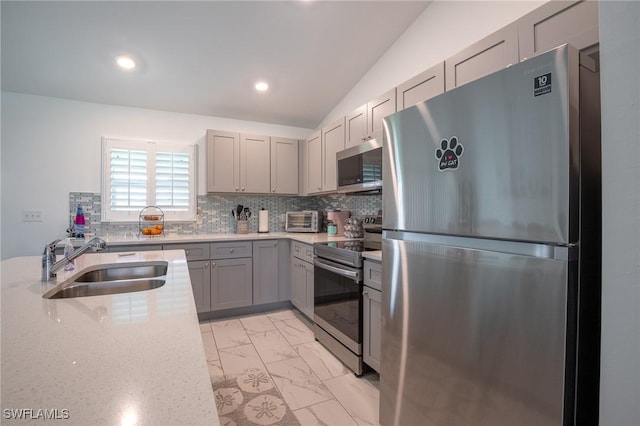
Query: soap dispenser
[(79, 222)]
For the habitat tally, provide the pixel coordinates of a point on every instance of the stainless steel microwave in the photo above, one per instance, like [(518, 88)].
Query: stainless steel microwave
[(360, 167), (303, 221)]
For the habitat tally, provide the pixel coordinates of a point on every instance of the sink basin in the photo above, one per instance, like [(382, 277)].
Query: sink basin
[(124, 272), (106, 287), (112, 279)]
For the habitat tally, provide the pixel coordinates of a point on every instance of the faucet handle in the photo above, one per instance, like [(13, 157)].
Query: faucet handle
[(51, 247)]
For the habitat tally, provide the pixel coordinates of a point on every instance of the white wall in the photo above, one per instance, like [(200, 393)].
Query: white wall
[(620, 79), (442, 30), (51, 147)]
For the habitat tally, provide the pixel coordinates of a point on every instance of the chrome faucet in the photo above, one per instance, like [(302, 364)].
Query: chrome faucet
[(49, 264)]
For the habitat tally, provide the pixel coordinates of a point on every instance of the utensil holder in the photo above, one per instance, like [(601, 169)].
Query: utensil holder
[(243, 227)]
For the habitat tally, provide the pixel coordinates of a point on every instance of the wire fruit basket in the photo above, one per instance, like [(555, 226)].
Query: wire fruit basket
[(151, 222)]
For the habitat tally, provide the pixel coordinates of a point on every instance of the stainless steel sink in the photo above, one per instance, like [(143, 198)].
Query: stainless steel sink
[(112, 279), (124, 272)]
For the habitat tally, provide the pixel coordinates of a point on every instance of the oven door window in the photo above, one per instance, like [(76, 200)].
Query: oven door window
[(337, 300)]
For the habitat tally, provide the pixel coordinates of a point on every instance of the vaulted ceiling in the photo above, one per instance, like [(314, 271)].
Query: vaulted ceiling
[(201, 57)]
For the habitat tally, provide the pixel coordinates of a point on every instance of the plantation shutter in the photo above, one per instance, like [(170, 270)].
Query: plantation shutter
[(173, 189), (128, 179)]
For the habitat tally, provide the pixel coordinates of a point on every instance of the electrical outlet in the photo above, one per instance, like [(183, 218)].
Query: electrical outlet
[(32, 216)]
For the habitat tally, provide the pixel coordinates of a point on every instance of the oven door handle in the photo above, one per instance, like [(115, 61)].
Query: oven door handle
[(355, 275)]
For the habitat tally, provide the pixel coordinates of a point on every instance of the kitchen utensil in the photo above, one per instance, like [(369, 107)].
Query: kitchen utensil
[(239, 209)]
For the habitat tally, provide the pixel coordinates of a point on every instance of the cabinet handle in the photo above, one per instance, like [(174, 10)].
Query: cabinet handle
[(243, 189), (206, 265), (232, 250), (186, 251), (275, 243), (237, 189), (364, 293), (213, 264)]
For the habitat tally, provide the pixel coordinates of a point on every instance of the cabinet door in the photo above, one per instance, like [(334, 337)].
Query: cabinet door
[(314, 163), (356, 127), (223, 161), (493, 53), (332, 142), (378, 109), (284, 166), (372, 327), (308, 306), (200, 275), (423, 86), (265, 272), (231, 285), (298, 284), (255, 170), (556, 23)]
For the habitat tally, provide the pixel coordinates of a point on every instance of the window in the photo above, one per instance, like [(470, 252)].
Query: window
[(136, 174)]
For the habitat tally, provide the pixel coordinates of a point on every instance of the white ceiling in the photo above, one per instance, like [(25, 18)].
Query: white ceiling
[(201, 57)]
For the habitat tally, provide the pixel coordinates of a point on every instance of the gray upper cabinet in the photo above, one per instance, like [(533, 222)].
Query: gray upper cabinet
[(251, 164), (365, 122), (255, 171), (378, 109), (423, 86), (284, 166), (556, 23), (332, 142), (493, 53), (313, 163), (356, 127), (223, 161)]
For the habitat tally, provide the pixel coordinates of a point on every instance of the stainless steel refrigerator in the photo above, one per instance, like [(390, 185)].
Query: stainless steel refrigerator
[(491, 251)]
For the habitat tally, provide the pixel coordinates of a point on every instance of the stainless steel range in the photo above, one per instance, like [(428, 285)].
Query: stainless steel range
[(337, 304)]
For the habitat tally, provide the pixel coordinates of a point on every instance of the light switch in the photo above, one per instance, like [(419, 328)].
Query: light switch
[(32, 216)]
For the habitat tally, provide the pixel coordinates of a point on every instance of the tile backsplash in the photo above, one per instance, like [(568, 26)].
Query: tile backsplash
[(214, 212)]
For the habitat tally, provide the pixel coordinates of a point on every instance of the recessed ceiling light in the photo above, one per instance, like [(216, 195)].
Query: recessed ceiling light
[(125, 62), (261, 86)]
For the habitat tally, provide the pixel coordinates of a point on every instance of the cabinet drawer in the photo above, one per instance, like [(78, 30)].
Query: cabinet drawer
[(302, 251), (132, 247), (192, 251), (230, 250), (373, 274)]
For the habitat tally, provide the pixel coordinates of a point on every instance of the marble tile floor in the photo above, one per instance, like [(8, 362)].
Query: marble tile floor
[(314, 384)]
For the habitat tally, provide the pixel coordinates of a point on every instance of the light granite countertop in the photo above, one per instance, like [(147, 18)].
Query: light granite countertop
[(309, 238), (131, 358)]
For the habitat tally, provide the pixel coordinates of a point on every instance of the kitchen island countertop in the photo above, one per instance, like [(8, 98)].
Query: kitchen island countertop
[(130, 358)]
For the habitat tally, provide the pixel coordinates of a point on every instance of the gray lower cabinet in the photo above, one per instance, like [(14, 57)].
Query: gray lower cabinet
[(200, 274), (231, 275), (372, 315), (302, 278), (270, 271), (197, 255), (231, 283)]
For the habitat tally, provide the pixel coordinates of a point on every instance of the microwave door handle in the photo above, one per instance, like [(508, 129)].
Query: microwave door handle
[(342, 272)]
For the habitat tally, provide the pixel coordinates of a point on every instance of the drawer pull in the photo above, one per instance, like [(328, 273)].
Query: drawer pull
[(232, 250), (213, 264)]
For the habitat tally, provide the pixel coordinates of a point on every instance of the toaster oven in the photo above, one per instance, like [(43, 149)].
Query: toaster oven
[(304, 221)]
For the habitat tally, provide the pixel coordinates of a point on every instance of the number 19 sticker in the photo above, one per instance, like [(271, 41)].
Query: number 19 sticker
[(542, 85)]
